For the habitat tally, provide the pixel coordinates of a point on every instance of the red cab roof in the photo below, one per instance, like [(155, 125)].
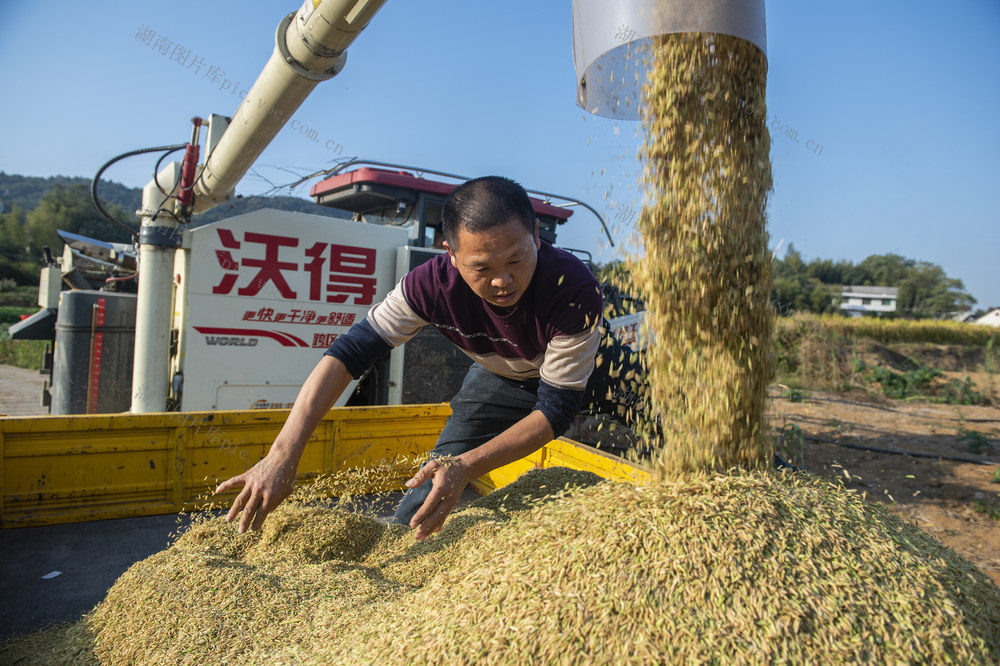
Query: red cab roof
[(406, 180)]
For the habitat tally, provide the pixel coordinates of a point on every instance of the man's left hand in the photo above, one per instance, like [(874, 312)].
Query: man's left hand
[(449, 477)]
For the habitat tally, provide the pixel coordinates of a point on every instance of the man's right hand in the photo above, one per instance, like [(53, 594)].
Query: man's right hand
[(271, 480), (265, 485)]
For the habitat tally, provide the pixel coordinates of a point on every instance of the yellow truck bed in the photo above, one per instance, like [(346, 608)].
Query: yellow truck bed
[(62, 469)]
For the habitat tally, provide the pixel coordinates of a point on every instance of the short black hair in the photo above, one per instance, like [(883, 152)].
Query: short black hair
[(484, 203)]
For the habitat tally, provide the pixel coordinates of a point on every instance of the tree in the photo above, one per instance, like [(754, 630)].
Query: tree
[(927, 291), (68, 207), (924, 288), (16, 260), (821, 297), (887, 270), (790, 292)]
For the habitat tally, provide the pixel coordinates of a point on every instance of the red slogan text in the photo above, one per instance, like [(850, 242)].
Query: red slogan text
[(336, 272)]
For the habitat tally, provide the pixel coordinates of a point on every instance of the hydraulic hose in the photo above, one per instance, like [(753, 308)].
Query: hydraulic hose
[(104, 167)]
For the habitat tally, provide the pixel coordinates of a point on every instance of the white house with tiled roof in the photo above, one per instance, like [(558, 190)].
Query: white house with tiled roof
[(991, 318), (856, 300)]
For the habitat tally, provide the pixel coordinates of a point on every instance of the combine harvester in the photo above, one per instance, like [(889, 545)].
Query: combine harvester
[(158, 394)]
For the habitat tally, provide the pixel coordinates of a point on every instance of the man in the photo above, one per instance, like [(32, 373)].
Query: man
[(528, 314)]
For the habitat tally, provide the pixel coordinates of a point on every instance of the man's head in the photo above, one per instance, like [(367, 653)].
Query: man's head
[(484, 203), (492, 236)]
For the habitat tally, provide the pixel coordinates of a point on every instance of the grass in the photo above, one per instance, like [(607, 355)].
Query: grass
[(992, 362), (962, 392), (977, 442), (899, 385), (18, 301), (889, 331), (992, 512), (791, 443), (21, 353), (11, 314), (919, 384), (795, 395), (838, 354), (23, 296)]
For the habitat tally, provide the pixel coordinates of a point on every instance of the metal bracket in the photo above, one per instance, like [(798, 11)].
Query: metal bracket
[(161, 236), (279, 41)]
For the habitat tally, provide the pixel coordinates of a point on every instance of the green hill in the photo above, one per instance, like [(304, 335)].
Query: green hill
[(26, 192), (34, 208)]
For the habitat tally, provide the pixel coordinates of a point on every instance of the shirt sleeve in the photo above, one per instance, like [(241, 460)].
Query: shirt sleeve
[(359, 348), (574, 334), (569, 359), (393, 319), (558, 405), (388, 324)]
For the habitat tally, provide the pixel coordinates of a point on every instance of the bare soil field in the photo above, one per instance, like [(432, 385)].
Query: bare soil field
[(923, 460)]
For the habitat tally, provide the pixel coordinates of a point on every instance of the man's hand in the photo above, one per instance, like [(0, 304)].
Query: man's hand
[(450, 477), (271, 480), (265, 485)]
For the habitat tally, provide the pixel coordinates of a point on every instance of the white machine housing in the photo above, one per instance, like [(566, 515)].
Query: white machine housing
[(284, 284)]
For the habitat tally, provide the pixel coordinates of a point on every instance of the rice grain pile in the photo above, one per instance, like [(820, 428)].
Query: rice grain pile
[(753, 568), (705, 271), (747, 568), (315, 571)]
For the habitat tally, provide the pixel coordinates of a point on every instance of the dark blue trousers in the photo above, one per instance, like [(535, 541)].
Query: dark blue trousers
[(484, 407)]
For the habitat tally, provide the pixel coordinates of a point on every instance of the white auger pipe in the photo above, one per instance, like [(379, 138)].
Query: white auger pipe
[(310, 46), (159, 237)]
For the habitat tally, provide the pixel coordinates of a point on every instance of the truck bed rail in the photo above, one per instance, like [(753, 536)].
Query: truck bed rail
[(61, 469)]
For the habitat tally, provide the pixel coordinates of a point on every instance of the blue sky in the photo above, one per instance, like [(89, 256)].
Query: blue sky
[(902, 96)]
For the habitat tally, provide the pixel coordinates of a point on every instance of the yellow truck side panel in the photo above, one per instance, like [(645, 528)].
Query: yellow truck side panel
[(57, 469), (564, 453)]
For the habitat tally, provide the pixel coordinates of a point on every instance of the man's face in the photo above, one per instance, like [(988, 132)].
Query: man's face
[(497, 263)]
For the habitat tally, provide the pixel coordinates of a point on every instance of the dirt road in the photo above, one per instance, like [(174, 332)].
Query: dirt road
[(20, 392)]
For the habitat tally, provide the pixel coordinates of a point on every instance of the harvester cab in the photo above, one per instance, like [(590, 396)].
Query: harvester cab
[(400, 197)]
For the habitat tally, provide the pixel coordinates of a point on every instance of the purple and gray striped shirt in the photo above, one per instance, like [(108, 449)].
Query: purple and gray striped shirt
[(552, 333)]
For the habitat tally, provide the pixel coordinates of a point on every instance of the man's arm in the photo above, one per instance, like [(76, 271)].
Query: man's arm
[(271, 480), (450, 477)]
